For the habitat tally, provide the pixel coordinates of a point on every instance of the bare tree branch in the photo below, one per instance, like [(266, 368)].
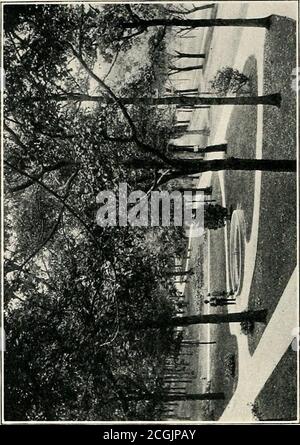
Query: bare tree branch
[(49, 168), (145, 147), (112, 65), (55, 226), (56, 195)]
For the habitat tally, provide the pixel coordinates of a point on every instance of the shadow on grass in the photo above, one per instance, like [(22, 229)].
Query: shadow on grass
[(241, 139), (278, 398)]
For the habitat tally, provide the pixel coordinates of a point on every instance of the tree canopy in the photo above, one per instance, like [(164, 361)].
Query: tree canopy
[(74, 289)]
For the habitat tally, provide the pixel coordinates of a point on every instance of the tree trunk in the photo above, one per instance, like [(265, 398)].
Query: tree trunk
[(274, 165), (193, 166), (263, 22), (180, 55), (182, 147), (208, 149), (183, 167), (176, 69), (236, 317), (187, 90), (180, 397), (183, 91), (180, 122), (205, 190), (186, 37), (197, 343), (213, 148), (269, 99)]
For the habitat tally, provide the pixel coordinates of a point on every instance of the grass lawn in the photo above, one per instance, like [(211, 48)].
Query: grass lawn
[(241, 139), (276, 255), (278, 398)]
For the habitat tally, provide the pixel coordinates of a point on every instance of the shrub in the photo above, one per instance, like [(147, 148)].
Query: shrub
[(229, 365), (208, 412), (256, 411), (247, 327), (215, 216), (229, 80)]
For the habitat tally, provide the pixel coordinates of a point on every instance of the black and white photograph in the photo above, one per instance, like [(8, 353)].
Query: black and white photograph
[(149, 241)]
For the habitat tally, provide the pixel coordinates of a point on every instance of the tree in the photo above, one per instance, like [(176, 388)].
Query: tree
[(122, 102), (182, 397), (215, 216), (228, 80), (184, 167), (268, 99)]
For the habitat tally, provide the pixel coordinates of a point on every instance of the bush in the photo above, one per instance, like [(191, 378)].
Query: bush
[(215, 216), (247, 327), (229, 80), (256, 411), (229, 365), (207, 411)]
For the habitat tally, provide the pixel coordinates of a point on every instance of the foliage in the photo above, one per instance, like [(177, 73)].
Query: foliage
[(75, 292), (256, 411), (214, 216), (247, 327), (229, 365), (229, 80)]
